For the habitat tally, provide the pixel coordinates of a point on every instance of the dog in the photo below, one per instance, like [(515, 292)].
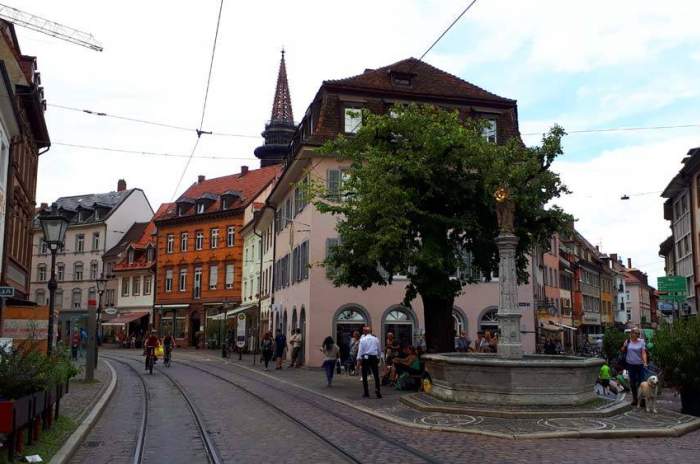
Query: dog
[(647, 392)]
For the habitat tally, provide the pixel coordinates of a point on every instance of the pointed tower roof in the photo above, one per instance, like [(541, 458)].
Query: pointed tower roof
[(282, 104), (280, 130)]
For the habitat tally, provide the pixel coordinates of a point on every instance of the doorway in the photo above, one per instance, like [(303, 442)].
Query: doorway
[(195, 326)]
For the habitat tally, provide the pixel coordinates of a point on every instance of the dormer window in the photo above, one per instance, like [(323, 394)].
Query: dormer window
[(225, 203), (130, 256), (181, 209), (150, 254), (228, 198), (401, 79), (200, 207), (490, 131)]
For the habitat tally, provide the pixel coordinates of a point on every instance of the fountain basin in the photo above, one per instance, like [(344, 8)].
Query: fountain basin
[(534, 379)]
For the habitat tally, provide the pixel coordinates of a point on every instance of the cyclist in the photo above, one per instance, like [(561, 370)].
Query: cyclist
[(150, 346), (168, 345)]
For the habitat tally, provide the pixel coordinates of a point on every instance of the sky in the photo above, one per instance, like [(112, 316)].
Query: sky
[(590, 65)]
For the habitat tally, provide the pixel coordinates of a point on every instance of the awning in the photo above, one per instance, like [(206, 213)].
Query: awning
[(172, 306), (564, 326), (125, 318), (232, 312)]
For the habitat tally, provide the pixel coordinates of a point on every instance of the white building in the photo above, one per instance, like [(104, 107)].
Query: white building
[(97, 223)]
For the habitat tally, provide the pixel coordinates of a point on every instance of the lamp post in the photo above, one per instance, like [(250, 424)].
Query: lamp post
[(101, 283), (54, 227)]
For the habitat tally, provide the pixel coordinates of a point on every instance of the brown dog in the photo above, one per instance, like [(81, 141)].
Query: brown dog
[(647, 392)]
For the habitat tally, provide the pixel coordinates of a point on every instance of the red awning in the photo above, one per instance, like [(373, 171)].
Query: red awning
[(125, 318)]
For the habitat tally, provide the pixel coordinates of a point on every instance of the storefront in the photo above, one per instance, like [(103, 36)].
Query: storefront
[(127, 328)]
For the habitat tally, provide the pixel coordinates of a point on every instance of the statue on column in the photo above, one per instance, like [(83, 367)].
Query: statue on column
[(505, 210)]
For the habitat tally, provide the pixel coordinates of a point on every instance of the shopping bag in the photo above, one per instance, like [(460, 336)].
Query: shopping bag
[(159, 351)]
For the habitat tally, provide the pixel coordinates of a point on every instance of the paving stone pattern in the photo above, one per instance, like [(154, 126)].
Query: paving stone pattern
[(82, 396), (246, 430), (113, 438)]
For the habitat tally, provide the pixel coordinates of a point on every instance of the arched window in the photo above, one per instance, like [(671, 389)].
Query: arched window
[(294, 318), (41, 273), (460, 323), (351, 315), (348, 320), (76, 298), (489, 320), (400, 322), (40, 298), (78, 271)]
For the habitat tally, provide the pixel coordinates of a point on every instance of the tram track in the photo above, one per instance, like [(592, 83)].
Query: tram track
[(402, 447), (138, 456)]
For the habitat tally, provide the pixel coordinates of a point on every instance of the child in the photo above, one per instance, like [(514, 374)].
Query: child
[(604, 378)]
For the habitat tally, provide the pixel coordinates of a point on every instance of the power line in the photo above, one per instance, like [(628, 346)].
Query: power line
[(152, 153), (621, 129), (206, 96), (448, 28), (144, 121)]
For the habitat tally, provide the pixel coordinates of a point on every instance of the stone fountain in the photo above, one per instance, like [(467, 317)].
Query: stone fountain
[(511, 378)]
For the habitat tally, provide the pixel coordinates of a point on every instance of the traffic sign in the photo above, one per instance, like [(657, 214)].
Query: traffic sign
[(240, 331), (7, 292), (672, 284)]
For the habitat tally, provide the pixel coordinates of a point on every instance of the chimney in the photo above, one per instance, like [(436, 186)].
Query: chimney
[(613, 257), (244, 170), (629, 263), (44, 206), (200, 179), (121, 185)]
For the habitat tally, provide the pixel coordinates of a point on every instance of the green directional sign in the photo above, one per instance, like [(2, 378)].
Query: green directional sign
[(672, 284)]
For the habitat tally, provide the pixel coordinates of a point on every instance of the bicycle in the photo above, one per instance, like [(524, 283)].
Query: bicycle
[(150, 360), (167, 356)]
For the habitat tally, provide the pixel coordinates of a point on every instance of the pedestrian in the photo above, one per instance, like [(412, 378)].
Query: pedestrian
[(604, 377), (636, 358), (549, 347), (352, 357), (75, 343), (295, 340), (266, 346), (330, 358), (280, 348), (480, 344), (368, 354), (391, 349), (464, 342), (83, 342)]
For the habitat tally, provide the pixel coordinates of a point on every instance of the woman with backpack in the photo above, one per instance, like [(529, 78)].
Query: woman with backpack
[(330, 357), (266, 347)]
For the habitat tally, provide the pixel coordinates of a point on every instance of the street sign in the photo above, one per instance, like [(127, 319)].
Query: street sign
[(672, 284), (111, 311), (7, 292), (240, 331)]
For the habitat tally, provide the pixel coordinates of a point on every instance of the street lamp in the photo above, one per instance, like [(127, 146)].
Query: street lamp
[(54, 227), (101, 283)]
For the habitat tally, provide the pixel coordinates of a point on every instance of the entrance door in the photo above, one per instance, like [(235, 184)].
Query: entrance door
[(403, 333), (343, 336), (194, 327)]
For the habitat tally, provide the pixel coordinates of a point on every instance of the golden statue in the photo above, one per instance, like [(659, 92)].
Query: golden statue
[(505, 210)]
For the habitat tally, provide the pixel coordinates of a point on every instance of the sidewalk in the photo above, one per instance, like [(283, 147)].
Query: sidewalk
[(82, 396), (348, 391)]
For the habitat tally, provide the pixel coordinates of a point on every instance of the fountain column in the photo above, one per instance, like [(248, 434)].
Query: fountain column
[(509, 341)]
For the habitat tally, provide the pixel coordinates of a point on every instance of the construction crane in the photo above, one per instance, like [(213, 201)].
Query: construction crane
[(48, 27)]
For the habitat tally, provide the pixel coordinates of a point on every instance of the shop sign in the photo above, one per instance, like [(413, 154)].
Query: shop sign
[(591, 318), (240, 331)]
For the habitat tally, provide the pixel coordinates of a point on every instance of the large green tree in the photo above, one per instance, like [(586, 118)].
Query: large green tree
[(417, 200)]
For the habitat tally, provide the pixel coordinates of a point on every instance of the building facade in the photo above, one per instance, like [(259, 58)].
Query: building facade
[(97, 223), (302, 294), (199, 252), (23, 137), (682, 196)]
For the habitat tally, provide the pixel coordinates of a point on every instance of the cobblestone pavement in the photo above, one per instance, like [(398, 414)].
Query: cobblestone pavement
[(82, 396), (114, 436), (446, 446)]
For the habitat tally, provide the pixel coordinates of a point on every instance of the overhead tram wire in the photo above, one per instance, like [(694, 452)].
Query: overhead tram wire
[(204, 104), (152, 153), (448, 28), (145, 121)]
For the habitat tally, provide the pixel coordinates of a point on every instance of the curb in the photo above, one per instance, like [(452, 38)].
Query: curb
[(72, 443), (675, 431)]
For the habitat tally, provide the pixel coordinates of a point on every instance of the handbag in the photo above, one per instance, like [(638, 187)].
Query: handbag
[(337, 366), (159, 351)]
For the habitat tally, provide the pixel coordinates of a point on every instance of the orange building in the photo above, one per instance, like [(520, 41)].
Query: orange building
[(199, 252)]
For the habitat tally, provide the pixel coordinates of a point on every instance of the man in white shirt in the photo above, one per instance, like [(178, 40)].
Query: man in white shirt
[(368, 354)]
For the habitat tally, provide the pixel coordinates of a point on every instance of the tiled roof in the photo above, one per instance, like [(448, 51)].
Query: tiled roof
[(134, 232), (89, 202), (427, 80), (248, 185)]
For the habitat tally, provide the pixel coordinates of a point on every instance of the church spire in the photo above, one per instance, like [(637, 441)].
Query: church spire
[(282, 104), (280, 130)]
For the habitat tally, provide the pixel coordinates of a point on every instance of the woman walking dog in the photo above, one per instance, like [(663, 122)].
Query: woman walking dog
[(636, 358)]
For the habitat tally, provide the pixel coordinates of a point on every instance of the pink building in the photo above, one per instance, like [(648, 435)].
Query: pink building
[(301, 294)]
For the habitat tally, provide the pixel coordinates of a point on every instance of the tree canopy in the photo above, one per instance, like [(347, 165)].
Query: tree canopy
[(417, 199)]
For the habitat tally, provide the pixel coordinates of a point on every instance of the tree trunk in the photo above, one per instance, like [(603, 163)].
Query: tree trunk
[(439, 324)]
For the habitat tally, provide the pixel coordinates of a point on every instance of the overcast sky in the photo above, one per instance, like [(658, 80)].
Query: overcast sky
[(596, 64)]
